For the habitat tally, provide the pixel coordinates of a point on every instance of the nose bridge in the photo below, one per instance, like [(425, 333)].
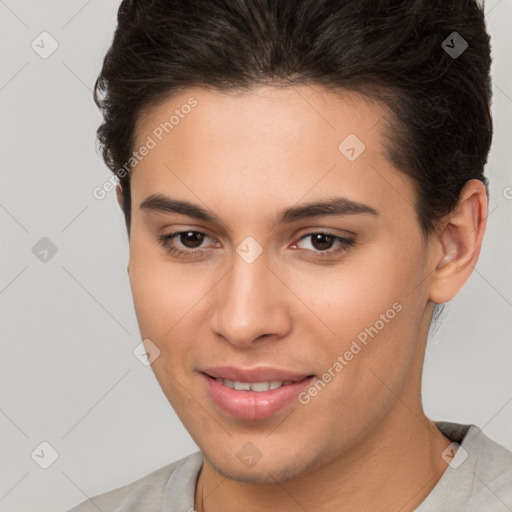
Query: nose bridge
[(249, 304)]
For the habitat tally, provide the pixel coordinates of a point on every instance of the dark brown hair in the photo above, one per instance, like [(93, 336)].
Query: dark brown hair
[(398, 52)]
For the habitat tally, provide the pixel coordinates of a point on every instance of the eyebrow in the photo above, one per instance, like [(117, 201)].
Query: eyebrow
[(333, 207)]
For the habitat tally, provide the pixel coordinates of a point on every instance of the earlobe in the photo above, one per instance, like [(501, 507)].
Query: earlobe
[(459, 242)]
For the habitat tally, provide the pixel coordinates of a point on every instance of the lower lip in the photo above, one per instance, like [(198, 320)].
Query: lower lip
[(253, 405)]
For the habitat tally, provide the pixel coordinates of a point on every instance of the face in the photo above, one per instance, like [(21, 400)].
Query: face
[(255, 288)]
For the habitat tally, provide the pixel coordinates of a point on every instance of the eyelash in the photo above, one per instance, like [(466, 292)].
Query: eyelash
[(164, 240)]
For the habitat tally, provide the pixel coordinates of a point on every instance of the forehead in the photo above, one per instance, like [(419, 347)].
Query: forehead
[(264, 111), (268, 145)]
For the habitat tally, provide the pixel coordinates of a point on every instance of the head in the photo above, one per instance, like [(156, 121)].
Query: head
[(224, 120)]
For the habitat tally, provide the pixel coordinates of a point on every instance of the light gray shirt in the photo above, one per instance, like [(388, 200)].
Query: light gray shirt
[(478, 479)]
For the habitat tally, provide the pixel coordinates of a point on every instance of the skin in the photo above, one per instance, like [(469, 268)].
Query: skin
[(364, 442)]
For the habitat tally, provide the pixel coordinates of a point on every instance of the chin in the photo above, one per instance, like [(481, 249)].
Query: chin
[(266, 470)]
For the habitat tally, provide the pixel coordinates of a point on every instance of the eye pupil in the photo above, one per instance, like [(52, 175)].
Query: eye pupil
[(191, 236), (317, 238)]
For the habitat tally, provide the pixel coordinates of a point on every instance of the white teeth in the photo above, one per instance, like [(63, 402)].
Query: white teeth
[(253, 386), (242, 386), (260, 386)]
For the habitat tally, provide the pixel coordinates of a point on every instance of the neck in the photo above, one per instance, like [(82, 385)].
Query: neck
[(394, 467)]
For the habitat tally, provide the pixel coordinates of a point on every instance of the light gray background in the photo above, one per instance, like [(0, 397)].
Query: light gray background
[(69, 376)]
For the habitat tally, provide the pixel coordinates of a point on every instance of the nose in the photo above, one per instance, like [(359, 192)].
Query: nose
[(251, 303)]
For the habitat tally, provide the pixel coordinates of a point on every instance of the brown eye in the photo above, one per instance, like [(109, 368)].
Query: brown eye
[(191, 239), (321, 241), (321, 244), (183, 243)]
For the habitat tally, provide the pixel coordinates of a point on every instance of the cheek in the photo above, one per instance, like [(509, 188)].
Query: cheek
[(365, 313), (161, 292), (353, 295), (170, 302), (152, 298), (164, 301)]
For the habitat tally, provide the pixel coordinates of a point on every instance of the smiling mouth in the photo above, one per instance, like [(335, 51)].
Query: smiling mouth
[(258, 387)]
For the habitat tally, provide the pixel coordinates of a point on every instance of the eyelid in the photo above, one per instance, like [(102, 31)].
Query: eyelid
[(341, 233), (323, 232), (175, 234), (344, 243)]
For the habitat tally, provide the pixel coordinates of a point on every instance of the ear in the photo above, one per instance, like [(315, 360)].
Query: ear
[(120, 200), (119, 195), (458, 243)]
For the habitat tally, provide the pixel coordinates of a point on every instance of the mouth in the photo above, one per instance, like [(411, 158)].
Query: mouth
[(255, 393), (259, 387)]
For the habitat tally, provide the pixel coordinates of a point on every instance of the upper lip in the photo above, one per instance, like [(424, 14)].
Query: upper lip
[(258, 374)]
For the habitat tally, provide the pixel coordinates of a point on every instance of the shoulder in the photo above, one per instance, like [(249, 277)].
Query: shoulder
[(151, 492), (492, 485), (494, 459), (479, 476)]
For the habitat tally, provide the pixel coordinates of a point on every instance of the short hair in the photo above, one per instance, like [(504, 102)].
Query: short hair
[(398, 52)]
